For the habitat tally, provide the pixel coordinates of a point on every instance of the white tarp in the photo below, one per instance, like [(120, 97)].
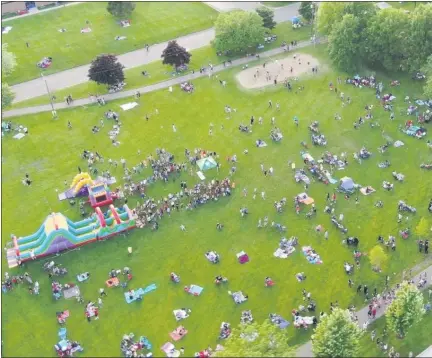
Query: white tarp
[(128, 106)]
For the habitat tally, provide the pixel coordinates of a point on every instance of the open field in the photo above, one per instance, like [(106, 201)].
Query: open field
[(51, 154), (159, 72), (151, 22)]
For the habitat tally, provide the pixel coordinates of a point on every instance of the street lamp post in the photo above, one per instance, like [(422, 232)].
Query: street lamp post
[(48, 91)]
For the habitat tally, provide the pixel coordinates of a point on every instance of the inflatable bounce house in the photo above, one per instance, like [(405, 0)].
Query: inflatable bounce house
[(58, 233), (97, 190)]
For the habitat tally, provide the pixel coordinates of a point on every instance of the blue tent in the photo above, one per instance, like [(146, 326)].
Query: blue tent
[(206, 163), (295, 19)]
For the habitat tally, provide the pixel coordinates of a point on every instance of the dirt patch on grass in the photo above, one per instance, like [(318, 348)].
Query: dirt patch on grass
[(292, 66)]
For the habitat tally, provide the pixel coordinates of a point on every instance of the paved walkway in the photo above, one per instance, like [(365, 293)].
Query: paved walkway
[(306, 349), (78, 75), (147, 89)]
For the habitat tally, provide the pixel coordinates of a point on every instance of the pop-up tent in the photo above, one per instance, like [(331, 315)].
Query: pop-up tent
[(347, 184), (206, 163)]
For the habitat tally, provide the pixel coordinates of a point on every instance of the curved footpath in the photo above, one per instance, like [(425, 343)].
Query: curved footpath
[(150, 88), (306, 349), (78, 75)]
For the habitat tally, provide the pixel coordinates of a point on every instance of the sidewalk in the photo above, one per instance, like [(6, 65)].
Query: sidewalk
[(147, 89), (78, 75), (306, 349)]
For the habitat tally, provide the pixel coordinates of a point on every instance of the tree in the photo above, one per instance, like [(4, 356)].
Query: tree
[(8, 61), (267, 16), (405, 310), (257, 340), (427, 69), (7, 95), (328, 15), (378, 258), (422, 228), (237, 31), (121, 9), (106, 69), (307, 9), (387, 34), (336, 335), (420, 37), (175, 55), (345, 43)]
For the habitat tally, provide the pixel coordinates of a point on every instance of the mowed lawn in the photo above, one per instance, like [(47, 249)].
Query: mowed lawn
[(51, 154), (158, 72), (151, 22)]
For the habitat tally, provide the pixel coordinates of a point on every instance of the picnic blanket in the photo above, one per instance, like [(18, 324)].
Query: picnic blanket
[(363, 190), (62, 333), (138, 293), (262, 144), (313, 258), (242, 257), (19, 135), (112, 282), (195, 290), (398, 144), (283, 254), (145, 342), (176, 336), (201, 175), (238, 297), (71, 292), (128, 106), (329, 177), (6, 29), (180, 314), (170, 350), (82, 277), (86, 30)]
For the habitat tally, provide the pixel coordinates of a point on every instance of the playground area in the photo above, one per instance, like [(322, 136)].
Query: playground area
[(186, 239), (280, 70)]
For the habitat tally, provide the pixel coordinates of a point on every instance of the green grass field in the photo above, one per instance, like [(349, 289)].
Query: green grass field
[(51, 154), (159, 72), (152, 22)]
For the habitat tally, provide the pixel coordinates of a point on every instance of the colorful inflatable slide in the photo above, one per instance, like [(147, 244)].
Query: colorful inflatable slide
[(84, 185), (58, 233)]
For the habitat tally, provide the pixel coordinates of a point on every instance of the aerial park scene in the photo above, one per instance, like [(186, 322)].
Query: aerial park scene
[(216, 179)]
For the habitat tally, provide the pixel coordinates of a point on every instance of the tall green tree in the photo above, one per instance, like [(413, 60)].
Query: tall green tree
[(7, 95), (420, 37), (257, 340), (328, 15), (307, 9), (345, 43), (267, 16), (378, 258), (405, 310), (8, 61), (105, 69), (175, 55), (121, 9), (427, 69), (336, 336), (387, 35), (423, 228), (238, 30)]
